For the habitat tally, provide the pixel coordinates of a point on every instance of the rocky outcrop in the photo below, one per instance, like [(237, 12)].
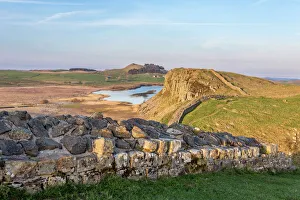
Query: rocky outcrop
[(183, 86), (83, 149)]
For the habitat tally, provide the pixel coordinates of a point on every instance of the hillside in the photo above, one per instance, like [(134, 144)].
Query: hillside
[(274, 120), (132, 66), (34, 78), (256, 107), (185, 85)]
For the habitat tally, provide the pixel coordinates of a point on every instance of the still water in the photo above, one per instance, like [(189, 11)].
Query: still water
[(126, 95)]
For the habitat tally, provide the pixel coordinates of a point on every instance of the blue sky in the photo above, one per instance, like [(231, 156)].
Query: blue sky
[(255, 37)]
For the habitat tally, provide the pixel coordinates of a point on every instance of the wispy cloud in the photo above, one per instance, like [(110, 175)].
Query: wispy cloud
[(40, 2), (61, 15), (145, 22)]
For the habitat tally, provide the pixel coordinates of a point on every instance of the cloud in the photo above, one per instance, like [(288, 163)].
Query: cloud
[(145, 22), (57, 16), (40, 2)]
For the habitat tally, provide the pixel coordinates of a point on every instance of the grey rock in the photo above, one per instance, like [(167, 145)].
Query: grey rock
[(89, 139), (84, 121), (98, 124), (122, 144), (75, 144), (49, 122), (189, 139), (10, 147), (37, 128), (61, 129), (111, 121), (30, 148), (132, 142), (200, 141), (151, 132), (80, 131), (20, 134), (127, 124), (210, 138), (4, 126), (3, 114), (17, 121), (22, 115), (120, 131), (47, 144)]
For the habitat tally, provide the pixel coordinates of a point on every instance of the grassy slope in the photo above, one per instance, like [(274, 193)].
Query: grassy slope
[(268, 119), (27, 78), (226, 185)]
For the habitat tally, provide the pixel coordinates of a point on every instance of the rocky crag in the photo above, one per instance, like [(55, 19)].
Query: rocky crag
[(45, 151), (184, 86)]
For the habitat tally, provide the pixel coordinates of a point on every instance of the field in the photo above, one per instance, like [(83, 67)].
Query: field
[(69, 92), (275, 120), (223, 185), (103, 78)]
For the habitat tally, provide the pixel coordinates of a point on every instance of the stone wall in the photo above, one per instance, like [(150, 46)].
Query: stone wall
[(45, 151)]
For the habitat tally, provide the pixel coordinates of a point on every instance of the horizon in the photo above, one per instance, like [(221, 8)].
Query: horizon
[(253, 37)]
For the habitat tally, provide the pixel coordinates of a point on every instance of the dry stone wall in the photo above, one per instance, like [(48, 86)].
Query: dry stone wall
[(45, 151)]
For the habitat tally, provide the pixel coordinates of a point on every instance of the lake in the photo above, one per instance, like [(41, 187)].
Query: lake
[(126, 95)]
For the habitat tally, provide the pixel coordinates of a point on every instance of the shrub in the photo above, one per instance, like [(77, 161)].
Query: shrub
[(75, 100), (45, 101)]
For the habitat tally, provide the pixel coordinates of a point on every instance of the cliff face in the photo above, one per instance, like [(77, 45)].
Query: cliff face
[(180, 88)]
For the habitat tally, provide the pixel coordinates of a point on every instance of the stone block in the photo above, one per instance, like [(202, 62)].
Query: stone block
[(185, 157), (66, 164), (136, 159), (151, 173), (255, 151), (55, 181), (205, 152), (105, 162), (147, 145), (106, 133), (121, 160), (20, 168), (270, 149), (103, 147), (46, 167), (138, 133), (196, 154), (151, 159), (213, 153), (244, 151), (163, 171), (120, 131), (174, 146), (163, 159), (86, 163), (237, 153), (162, 146)]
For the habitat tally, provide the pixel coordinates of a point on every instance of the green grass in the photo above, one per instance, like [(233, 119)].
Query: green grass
[(268, 119), (28, 78), (223, 185)]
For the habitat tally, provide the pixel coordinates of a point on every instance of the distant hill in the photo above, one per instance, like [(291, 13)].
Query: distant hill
[(286, 80), (132, 66), (82, 69), (147, 68)]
